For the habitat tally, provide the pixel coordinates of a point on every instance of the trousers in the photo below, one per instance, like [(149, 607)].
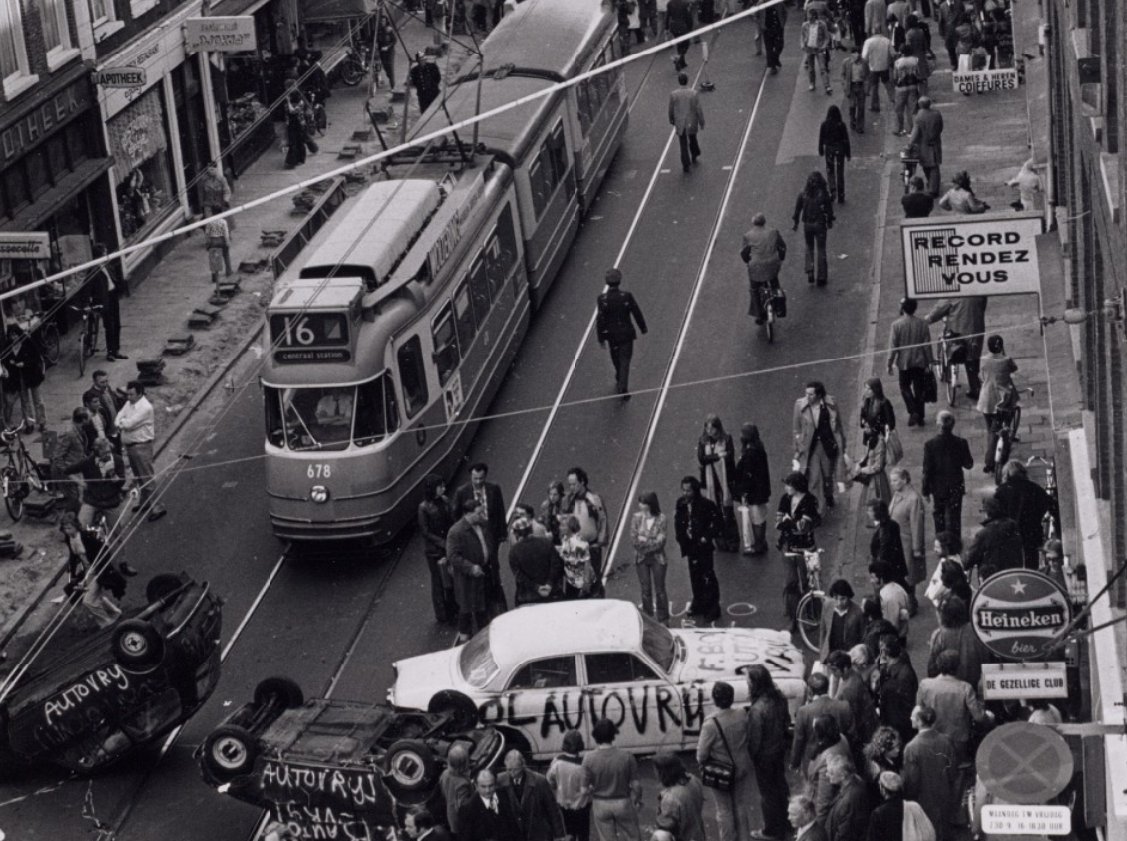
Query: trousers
[(705, 587), (912, 389), (816, 265), (620, 356), (771, 775), (877, 79), (733, 809), (690, 149), (651, 580), (948, 512), (820, 469), (835, 173), (140, 457), (615, 820), (905, 104)]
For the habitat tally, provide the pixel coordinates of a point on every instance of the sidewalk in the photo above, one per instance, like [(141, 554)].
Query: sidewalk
[(158, 308), (987, 135)]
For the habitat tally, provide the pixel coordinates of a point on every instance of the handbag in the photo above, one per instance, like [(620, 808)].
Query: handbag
[(716, 773), (859, 475), (893, 446), (930, 386)]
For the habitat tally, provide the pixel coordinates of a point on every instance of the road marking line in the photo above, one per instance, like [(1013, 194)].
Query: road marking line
[(698, 285)]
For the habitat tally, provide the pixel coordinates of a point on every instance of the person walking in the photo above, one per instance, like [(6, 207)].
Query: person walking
[(854, 80), (435, 520), (751, 484), (136, 422), (767, 723), (804, 745), (568, 781), (819, 438), (295, 131), (878, 426), (105, 288), (896, 687), (647, 536), (957, 707), (931, 773), (774, 20), (724, 740), (876, 52), (814, 209), (678, 22), (796, 517), (680, 803), (910, 353), (425, 77), (966, 329), (833, 145), (697, 525), (536, 565), (588, 508), (917, 202), (616, 314), (687, 118), (906, 83), (1025, 502), (886, 544), (844, 626), (815, 47), (946, 456), (472, 554), (763, 251), (218, 236), (907, 510), (998, 394), (997, 545), (615, 788), (848, 818), (490, 496), (717, 459), (385, 48), (531, 800), (215, 195), (875, 14)]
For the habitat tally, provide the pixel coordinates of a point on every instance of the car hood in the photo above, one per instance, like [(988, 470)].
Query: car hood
[(418, 678), (725, 653)]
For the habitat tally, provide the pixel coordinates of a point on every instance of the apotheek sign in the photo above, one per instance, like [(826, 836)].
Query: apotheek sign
[(1017, 612), (121, 77)]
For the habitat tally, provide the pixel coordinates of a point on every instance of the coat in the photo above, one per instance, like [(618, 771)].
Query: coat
[(697, 526), (853, 628), (1026, 503), (907, 510), (494, 508), (25, 368), (996, 371), (711, 747), (716, 479), (685, 112), (680, 809), (833, 137), (997, 544), (965, 317), (927, 137), (767, 722), (956, 708), (434, 524), (930, 774), (535, 563), (98, 490), (477, 823), (876, 13), (648, 543), (804, 746), (805, 422), (456, 793), (886, 823), (614, 310), (678, 17), (849, 815), (71, 449), (972, 652), (885, 546), (536, 810), (897, 685), (463, 551), (854, 690), (751, 480), (946, 456), (819, 787)]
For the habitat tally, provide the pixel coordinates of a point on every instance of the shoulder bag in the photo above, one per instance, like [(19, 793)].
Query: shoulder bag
[(895, 448), (716, 773), (930, 386)]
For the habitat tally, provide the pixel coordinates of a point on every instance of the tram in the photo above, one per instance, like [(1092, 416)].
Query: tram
[(397, 330)]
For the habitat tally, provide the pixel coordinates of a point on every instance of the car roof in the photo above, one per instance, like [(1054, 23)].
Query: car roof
[(589, 626)]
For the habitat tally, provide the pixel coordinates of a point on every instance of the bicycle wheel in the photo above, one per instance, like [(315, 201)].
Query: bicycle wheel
[(49, 342), (13, 493), (810, 620), (92, 333), (952, 384), (769, 324), (82, 354), (351, 73)]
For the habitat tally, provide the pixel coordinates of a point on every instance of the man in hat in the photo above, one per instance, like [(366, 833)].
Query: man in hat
[(426, 79), (613, 324)]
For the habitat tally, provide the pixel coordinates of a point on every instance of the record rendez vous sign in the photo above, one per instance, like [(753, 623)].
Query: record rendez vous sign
[(1016, 612)]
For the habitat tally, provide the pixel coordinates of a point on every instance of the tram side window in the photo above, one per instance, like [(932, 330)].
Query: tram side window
[(413, 375), (584, 108), (445, 344), (376, 412), (463, 316), (479, 290), (548, 170), (501, 251)]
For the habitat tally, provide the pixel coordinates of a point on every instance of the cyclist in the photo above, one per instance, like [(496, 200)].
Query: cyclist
[(764, 251), (998, 396)]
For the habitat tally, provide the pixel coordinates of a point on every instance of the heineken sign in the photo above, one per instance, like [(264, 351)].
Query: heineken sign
[(1016, 613)]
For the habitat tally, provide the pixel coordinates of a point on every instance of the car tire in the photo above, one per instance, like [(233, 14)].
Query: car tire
[(137, 645), (162, 585), (411, 769), (462, 711), (278, 690), (229, 752)]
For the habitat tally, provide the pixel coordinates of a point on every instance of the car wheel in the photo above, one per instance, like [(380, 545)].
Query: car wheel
[(162, 585), (461, 710), (411, 768), (279, 690), (229, 752), (138, 645)]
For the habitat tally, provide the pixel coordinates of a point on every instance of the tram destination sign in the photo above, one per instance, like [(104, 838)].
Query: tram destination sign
[(304, 337), (969, 256), (1019, 613)]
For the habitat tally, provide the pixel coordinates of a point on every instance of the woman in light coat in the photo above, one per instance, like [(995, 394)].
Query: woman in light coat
[(997, 392), (647, 535)]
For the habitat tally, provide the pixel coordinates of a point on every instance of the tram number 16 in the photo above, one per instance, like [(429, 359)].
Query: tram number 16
[(297, 330), (319, 471)]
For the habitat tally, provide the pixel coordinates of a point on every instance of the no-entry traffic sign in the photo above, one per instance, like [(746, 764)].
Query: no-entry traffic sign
[(1024, 763)]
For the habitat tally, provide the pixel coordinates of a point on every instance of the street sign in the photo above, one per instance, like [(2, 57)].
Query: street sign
[(969, 256), (1024, 763), (1006, 681), (1026, 820), (985, 81), (28, 245), (220, 34), (1017, 612), (121, 77)]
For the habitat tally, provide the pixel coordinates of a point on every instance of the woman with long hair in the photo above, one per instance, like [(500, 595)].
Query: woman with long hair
[(767, 723), (680, 803), (716, 455), (647, 535), (833, 145), (435, 520), (814, 209), (552, 511), (883, 752), (751, 485)]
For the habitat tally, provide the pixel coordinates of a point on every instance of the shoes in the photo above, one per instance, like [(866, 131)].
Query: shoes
[(686, 169), (625, 396), (126, 570), (811, 86), (822, 281), (987, 468), (157, 513), (829, 91), (810, 277), (760, 320), (774, 71), (830, 502), (841, 199)]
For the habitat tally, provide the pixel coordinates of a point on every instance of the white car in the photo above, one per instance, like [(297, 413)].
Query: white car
[(538, 671)]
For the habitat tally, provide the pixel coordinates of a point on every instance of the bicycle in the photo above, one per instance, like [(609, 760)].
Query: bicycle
[(950, 361), (88, 333), (808, 612), (1007, 420), (355, 66), (908, 166), (45, 334), (767, 296), (1050, 522), (20, 476)]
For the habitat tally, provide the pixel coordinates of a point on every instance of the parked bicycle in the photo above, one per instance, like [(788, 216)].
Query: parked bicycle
[(45, 333), (20, 476), (1007, 420), (952, 357), (807, 614), (354, 66), (88, 333), (908, 165), (1050, 522)]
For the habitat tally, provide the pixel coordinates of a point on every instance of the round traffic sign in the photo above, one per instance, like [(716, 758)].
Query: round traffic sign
[(1024, 763), (1019, 613)]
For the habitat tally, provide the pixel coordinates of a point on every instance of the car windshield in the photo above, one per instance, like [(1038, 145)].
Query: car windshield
[(329, 417), (658, 642), (476, 661)]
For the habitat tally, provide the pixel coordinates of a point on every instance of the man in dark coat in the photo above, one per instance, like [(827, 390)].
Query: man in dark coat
[(105, 288), (426, 79), (679, 21), (1025, 502), (774, 19), (946, 456), (997, 545), (885, 544), (805, 746), (697, 524), (420, 823), (849, 815), (71, 450), (931, 773), (537, 566), (613, 325), (532, 800), (966, 318), (927, 138), (472, 554), (488, 817), (751, 484), (886, 823), (491, 498), (897, 685)]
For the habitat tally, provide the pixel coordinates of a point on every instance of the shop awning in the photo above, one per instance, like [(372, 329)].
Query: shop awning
[(314, 10)]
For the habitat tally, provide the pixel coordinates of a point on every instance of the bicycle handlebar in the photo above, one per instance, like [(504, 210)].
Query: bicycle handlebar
[(85, 310)]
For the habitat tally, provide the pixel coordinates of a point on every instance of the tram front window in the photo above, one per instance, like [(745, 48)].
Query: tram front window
[(330, 417)]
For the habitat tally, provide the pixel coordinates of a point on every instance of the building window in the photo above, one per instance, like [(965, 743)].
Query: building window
[(101, 11), (15, 72), (56, 30)]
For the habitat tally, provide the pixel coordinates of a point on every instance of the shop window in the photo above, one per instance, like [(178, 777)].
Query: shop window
[(445, 344), (56, 31), (15, 72), (413, 375), (145, 184)]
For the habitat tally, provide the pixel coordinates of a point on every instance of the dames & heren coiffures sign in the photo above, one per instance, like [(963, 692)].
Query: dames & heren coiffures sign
[(1017, 612)]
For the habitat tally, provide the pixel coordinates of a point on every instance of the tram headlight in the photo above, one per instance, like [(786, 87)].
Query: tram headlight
[(319, 494)]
